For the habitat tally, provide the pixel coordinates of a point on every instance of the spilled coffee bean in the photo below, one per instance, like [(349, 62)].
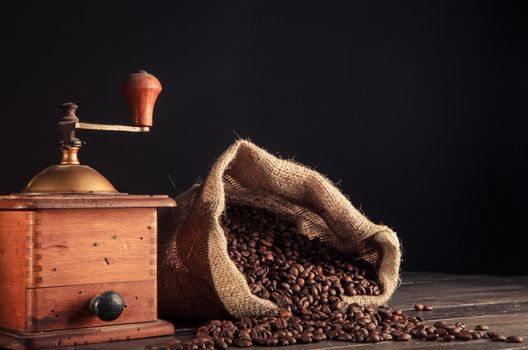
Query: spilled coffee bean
[(514, 339), (308, 279)]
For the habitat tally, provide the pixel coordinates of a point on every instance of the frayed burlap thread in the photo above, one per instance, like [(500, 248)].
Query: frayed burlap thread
[(198, 280)]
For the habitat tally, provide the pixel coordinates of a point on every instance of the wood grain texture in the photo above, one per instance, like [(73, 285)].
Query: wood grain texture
[(463, 290), (81, 246), (58, 252), (59, 308), (15, 233), (73, 201), (71, 338), (141, 90)]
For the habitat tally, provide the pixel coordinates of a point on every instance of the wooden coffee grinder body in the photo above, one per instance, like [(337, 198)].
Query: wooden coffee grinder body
[(58, 253)]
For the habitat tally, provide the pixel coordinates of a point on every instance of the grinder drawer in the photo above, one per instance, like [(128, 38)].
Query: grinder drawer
[(68, 307)]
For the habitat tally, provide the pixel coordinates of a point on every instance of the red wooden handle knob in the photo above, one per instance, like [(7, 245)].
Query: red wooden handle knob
[(141, 90)]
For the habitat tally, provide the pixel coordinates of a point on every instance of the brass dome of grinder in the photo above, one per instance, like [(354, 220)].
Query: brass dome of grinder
[(69, 177)]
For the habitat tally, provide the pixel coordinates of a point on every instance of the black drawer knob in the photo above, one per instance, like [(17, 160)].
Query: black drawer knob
[(108, 306)]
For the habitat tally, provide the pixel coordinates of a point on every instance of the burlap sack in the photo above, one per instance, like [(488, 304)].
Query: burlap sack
[(198, 280)]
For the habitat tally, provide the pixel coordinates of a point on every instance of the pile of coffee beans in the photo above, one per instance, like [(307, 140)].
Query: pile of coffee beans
[(307, 279), (288, 268)]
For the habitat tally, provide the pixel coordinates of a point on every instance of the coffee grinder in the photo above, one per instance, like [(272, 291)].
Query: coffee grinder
[(78, 259)]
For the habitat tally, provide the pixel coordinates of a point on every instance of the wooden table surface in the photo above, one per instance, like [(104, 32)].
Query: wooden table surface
[(497, 301)]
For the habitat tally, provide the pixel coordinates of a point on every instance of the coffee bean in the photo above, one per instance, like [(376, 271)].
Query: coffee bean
[(318, 337), (374, 338), (220, 343), (272, 342), (440, 324), (291, 340), (441, 332), (464, 335), (481, 327), (370, 327), (404, 337), (431, 337), (449, 337), (421, 334), (305, 339), (245, 334), (281, 323), (243, 343), (418, 307), (350, 291), (427, 308), (344, 336), (430, 330), (514, 339), (266, 243), (498, 337), (455, 330)]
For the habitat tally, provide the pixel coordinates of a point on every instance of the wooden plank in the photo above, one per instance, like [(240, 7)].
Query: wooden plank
[(15, 230), (435, 277), (70, 338), (469, 290), (411, 277), (81, 246), (76, 201), (471, 310), (59, 308)]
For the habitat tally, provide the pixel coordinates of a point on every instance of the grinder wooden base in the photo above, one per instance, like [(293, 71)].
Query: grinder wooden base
[(23, 340), (60, 253)]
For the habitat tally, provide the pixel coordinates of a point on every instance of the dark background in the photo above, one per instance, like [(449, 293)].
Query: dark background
[(417, 109)]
